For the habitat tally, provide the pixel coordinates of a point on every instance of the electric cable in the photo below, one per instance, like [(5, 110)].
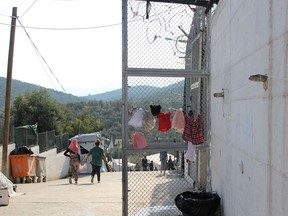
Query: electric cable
[(43, 59), (29, 8)]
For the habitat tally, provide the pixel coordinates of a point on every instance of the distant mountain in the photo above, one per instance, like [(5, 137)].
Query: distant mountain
[(19, 88), (107, 96), (152, 93)]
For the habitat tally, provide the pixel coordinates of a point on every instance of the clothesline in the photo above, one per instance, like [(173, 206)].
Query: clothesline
[(187, 124)]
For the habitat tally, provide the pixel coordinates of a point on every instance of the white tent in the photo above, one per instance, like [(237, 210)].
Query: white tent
[(156, 159), (117, 165), (83, 138)]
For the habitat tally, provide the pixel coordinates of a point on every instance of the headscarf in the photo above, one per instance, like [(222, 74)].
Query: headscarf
[(74, 146)]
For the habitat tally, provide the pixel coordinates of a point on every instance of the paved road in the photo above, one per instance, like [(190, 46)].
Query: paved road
[(60, 198)]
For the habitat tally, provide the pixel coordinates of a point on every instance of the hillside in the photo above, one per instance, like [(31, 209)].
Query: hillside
[(152, 93), (19, 88)]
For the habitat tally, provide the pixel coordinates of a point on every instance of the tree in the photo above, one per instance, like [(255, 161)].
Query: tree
[(85, 122), (38, 107)]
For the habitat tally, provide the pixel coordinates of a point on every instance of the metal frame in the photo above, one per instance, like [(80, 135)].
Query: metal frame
[(155, 72)]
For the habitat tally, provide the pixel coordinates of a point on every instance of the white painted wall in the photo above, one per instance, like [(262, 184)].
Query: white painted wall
[(249, 125), (10, 148)]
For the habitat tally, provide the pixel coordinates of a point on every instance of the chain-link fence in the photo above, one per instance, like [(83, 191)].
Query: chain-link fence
[(165, 68), (62, 142), (25, 136), (29, 137), (48, 140), (187, 175)]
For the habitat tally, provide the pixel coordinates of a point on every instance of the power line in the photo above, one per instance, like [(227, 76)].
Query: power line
[(43, 59), (87, 27), (29, 8), (66, 29)]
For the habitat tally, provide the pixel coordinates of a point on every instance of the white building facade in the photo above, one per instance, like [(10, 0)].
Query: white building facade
[(249, 157)]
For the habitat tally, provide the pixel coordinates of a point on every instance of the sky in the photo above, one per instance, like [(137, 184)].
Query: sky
[(73, 46)]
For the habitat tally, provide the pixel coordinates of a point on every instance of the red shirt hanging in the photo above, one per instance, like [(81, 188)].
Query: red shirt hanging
[(164, 121)]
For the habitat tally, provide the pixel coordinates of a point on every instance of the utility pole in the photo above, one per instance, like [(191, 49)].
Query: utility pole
[(8, 93)]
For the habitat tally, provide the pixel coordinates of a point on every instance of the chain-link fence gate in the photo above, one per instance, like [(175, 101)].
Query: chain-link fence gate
[(164, 71)]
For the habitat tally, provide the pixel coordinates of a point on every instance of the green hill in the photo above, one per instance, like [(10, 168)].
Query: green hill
[(19, 88), (141, 94)]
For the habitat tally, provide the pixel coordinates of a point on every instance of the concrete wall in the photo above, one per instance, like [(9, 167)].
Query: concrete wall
[(11, 147), (249, 125), (56, 164)]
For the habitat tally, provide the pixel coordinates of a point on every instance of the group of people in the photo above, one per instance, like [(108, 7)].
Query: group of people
[(73, 152), (165, 164), (97, 153), (145, 164)]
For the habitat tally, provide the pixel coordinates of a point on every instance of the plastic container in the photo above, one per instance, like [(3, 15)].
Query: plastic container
[(197, 204), (23, 166), (4, 197), (41, 169)]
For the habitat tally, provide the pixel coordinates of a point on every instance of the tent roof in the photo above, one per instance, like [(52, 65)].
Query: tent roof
[(156, 158), (82, 138)]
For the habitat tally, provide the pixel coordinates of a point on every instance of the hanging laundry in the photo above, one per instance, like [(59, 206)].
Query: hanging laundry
[(164, 121), (136, 119), (178, 122), (148, 121), (132, 111), (193, 130), (190, 154), (155, 109), (138, 140)]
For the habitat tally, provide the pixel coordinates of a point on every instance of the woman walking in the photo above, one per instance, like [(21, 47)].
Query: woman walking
[(73, 153)]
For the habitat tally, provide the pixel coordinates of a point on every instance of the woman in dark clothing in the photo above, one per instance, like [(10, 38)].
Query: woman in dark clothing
[(73, 153), (171, 164)]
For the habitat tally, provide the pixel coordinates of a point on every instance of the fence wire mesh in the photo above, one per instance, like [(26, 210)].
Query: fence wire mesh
[(45, 140), (161, 36), (151, 193), (25, 137), (165, 64)]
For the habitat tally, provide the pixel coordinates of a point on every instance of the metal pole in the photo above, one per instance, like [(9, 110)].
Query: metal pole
[(8, 92)]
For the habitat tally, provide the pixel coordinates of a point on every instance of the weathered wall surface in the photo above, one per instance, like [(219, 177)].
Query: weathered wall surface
[(249, 125)]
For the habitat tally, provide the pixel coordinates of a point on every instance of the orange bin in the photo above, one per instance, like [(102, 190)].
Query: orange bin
[(23, 165)]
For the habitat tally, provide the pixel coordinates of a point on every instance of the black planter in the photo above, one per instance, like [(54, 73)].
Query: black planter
[(197, 204)]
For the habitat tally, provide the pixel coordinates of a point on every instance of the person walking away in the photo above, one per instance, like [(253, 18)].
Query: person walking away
[(145, 164), (97, 154), (163, 159), (171, 163), (73, 153)]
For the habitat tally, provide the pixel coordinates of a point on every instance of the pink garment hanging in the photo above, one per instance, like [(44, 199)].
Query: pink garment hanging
[(74, 146), (190, 154), (164, 121), (136, 120), (178, 122), (138, 140)]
